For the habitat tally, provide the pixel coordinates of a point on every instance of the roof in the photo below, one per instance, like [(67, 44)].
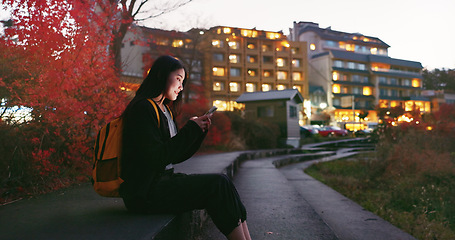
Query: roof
[(288, 94), (345, 55), (394, 61), (329, 34)]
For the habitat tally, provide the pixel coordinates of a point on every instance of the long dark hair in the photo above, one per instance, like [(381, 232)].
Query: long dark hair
[(155, 82)]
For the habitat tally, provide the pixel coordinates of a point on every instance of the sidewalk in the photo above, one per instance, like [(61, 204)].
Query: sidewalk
[(286, 203)]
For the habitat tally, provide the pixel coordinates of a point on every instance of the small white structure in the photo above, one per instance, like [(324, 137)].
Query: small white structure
[(279, 107)]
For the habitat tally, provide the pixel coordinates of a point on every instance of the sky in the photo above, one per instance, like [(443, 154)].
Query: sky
[(415, 30)]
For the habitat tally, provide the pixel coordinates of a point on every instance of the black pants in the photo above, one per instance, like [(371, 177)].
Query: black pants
[(177, 193)]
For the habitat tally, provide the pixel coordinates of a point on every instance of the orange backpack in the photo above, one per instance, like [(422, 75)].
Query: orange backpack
[(106, 158)]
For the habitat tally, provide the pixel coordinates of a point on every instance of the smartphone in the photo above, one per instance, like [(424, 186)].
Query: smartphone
[(212, 110)]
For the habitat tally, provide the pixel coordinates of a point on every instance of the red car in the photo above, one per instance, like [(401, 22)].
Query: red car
[(331, 131)]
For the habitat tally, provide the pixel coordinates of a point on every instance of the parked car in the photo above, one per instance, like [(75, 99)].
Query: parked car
[(363, 132), (332, 131), (308, 131)]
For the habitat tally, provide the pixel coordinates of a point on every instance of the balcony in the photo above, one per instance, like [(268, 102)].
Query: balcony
[(393, 72)]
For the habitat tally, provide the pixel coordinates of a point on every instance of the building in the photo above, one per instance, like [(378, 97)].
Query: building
[(224, 61), (439, 97), (280, 107), (143, 45), (241, 60), (351, 67)]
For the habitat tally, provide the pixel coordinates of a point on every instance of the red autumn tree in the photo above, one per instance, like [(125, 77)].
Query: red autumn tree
[(122, 13), (219, 132), (55, 63)]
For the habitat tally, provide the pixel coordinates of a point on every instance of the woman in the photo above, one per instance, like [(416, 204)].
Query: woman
[(151, 146)]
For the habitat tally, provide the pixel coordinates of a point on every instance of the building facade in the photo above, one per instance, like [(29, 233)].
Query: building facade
[(224, 61), (358, 76), (248, 60)]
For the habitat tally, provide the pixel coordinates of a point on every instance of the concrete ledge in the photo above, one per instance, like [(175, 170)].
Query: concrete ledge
[(79, 213)]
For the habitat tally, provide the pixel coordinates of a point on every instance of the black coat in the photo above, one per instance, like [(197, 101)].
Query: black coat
[(148, 149)]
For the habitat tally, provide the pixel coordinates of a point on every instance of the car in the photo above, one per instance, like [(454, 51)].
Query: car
[(308, 131), (332, 131), (363, 132)]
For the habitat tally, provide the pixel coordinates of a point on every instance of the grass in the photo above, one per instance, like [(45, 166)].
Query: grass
[(421, 204)]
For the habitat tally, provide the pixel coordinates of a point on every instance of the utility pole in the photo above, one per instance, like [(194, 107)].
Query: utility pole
[(353, 110)]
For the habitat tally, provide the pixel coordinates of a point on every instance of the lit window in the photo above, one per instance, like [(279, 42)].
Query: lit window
[(408, 106), (217, 43), (272, 35), (299, 88), (234, 87), (285, 44), (234, 45), (218, 71), (280, 62), (233, 58), (267, 73), (251, 46), (177, 43), (350, 47), (252, 72), (226, 30), (266, 48), (415, 83), (393, 104), (296, 62), (280, 87), (282, 75), (374, 50), (221, 105), (336, 88), (248, 33), (296, 76), (235, 72), (312, 47), (218, 86), (383, 103), (250, 87), (162, 42), (335, 76), (344, 90), (266, 87), (251, 59)]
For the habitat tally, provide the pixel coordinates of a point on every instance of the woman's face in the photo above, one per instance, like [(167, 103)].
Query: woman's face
[(174, 84)]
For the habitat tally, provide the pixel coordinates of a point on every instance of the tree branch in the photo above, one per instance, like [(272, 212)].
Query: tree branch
[(173, 8)]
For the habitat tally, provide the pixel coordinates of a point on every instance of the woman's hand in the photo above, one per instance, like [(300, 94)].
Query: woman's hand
[(204, 121)]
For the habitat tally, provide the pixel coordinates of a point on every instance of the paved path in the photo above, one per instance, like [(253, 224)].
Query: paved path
[(286, 203), (347, 219)]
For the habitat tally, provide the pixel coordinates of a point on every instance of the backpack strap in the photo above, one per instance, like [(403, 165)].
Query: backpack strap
[(169, 110), (155, 106)]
